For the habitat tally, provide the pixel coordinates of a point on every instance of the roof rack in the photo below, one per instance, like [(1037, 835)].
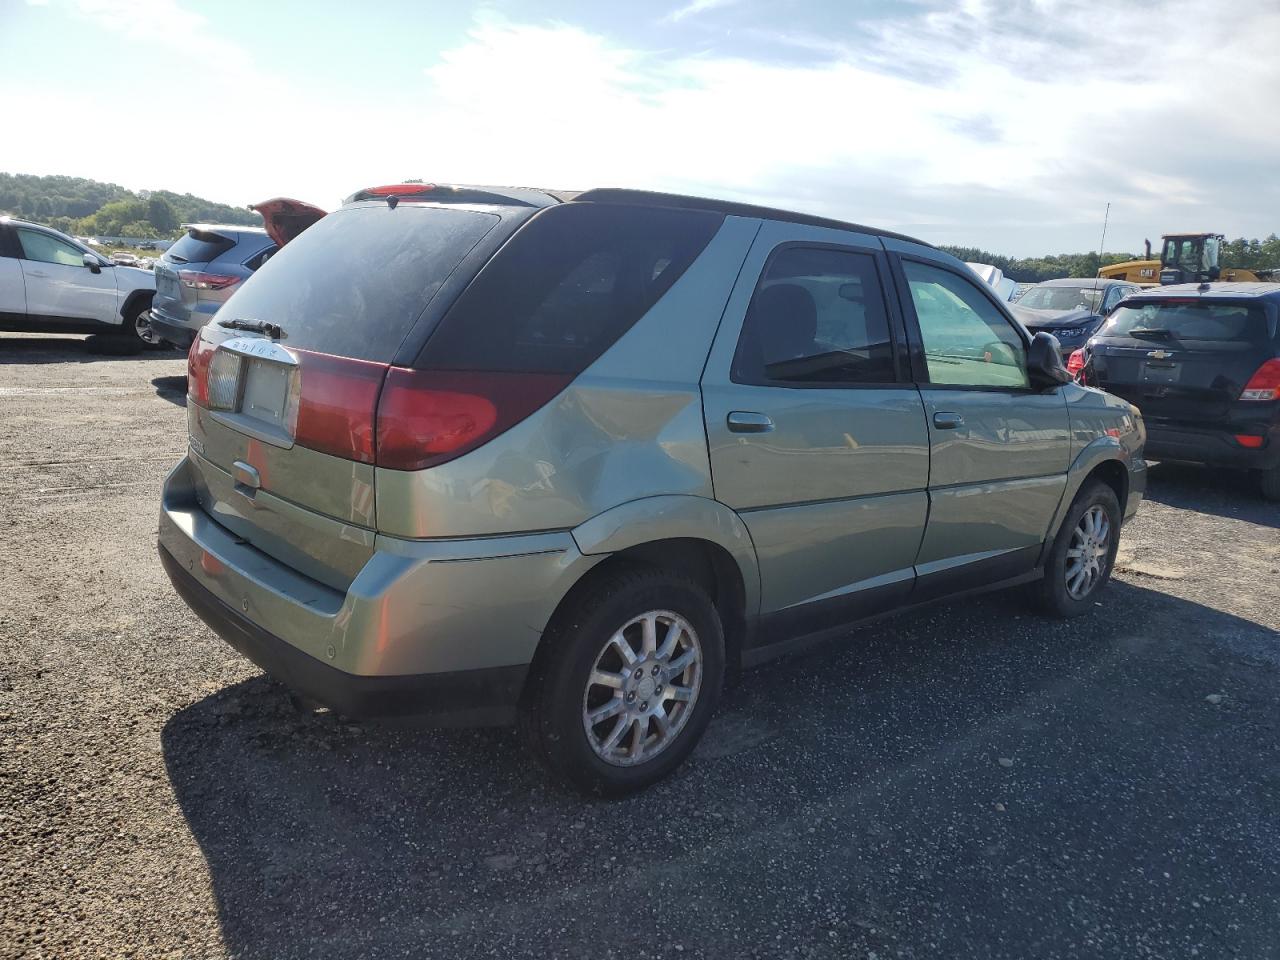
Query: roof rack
[(651, 198)]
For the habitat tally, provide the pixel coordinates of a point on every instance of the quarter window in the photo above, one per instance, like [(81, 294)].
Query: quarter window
[(817, 317), (967, 341), (46, 249)]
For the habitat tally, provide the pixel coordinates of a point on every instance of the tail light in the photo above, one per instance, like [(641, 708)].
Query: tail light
[(198, 358), (337, 403), (1265, 383), (1250, 441), (200, 280), (1075, 362), (426, 417)]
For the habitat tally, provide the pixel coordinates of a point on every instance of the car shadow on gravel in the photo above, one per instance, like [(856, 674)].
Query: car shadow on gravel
[(173, 389), (1223, 493), (971, 780), (75, 349)]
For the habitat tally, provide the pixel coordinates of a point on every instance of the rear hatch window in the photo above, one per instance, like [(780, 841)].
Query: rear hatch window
[(566, 287), (1182, 360), (355, 283), (199, 246)]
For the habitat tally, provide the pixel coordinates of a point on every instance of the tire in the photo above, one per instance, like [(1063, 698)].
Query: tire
[(1054, 594), (1269, 483), (580, 640), (137, 332)]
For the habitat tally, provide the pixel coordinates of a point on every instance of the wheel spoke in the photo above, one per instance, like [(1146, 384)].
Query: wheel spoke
[(650, 642), (616, 733), (681, 663), (1075, 552), (620, 642), (606, 710), (682, 694), (639, 730), (605, 678), (662, 720), (669, 642)]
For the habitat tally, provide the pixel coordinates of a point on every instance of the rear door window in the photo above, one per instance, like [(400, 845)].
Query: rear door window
[(817, 317), (1195, 321), (355, 284), (199, 246), (566, 287)]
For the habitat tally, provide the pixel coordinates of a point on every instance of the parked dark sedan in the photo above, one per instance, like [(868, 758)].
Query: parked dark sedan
[(1071, 309), (1203, 365)]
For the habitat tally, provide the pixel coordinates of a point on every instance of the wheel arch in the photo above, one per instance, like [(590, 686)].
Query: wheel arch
[(1105, 459), (136, 300)]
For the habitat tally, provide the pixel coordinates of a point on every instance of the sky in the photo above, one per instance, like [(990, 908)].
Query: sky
[(1003, 125)]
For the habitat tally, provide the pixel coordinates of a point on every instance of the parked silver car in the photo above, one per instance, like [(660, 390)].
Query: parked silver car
[(487, 456), (196, 275)]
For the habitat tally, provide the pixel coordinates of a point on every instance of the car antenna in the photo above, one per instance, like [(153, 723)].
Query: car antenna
[(1102, 245)]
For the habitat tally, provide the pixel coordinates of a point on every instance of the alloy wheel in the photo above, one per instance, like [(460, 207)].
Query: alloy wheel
[(1087, 554), (642, 688)]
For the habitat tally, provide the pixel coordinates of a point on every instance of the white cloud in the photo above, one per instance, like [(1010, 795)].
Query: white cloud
[(1004, 127), (695, 7)]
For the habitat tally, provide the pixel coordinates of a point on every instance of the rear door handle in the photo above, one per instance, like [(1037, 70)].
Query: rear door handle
[(947, 421), (36, 273), (744, 421)]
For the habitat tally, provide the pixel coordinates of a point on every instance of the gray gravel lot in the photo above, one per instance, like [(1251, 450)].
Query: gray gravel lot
[(969, 781)]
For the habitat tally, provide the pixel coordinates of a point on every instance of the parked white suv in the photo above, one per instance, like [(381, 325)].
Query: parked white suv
[(52, 283)]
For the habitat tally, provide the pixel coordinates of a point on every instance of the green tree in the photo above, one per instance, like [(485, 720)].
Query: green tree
[(162, 215)]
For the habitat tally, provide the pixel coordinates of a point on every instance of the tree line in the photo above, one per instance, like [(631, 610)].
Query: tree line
[(90, 208), (1240, 253)]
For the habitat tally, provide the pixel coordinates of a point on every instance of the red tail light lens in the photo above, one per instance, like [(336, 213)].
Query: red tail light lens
[(337, 403), (396, 190), (206, 281), (1265, 383), (198, 358), (1250, 441), (1075, 362), (426, 417)]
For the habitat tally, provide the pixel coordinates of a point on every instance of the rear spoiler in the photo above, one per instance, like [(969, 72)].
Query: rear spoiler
[(284, 219)]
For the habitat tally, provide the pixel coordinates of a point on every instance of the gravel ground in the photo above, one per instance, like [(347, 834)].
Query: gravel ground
[(970, 781)]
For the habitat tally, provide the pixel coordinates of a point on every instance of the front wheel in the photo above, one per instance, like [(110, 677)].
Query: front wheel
[(1269, 483), (137, 329), (1083, 553), (628, 681)]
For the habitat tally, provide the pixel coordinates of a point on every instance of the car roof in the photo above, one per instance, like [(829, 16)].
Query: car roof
[(729, 208), (1242, 291), (1082, 282)]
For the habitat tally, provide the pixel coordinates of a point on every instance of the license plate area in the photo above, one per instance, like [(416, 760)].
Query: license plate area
[(262, 400), (1158, 372)]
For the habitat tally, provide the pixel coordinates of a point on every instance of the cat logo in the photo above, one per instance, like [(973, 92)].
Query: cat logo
[(1159, 354)]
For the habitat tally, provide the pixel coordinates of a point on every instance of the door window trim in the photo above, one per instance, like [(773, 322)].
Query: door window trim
[(915, 340), (893, 320)]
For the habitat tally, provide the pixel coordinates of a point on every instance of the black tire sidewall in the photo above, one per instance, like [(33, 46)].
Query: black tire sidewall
[(1053, 593), (578, 639)]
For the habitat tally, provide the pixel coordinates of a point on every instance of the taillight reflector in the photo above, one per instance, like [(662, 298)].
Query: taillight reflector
[(397, 190), (1250, 441), (426, 417), (198, 358), (206, 281), (1265, 383), (1075, 362), (337, 402)]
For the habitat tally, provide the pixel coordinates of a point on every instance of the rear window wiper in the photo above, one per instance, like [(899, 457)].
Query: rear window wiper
[(1151, 333), (272, 330)]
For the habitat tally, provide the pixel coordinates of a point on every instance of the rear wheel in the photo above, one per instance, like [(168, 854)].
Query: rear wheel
[(1083, 553), (137, 329), (1269, 483), (628, 681)]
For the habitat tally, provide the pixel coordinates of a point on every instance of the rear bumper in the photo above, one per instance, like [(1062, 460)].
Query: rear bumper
[(459, 698), (443, 630), (1216, 447), (176, 332)]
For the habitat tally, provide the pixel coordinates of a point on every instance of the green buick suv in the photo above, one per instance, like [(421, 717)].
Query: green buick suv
[(505, 456)]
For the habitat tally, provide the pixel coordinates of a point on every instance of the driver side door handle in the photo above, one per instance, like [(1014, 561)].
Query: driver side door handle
[(945, 420)]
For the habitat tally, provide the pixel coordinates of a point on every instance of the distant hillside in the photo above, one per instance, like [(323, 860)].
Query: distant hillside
[(79, 206)]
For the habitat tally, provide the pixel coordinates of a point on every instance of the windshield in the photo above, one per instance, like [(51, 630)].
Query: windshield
[(1192, 320), (1062, 298)]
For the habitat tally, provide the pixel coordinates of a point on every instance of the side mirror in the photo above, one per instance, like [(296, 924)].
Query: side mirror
[(93, 263), (1045, 368)]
